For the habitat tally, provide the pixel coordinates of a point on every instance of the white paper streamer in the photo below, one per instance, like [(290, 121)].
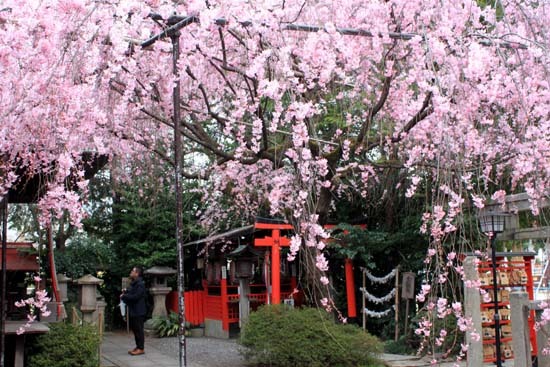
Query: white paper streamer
[(374, 299), (378, 280), (377, 314)]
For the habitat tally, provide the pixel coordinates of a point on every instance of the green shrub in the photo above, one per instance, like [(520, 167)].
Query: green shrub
[(66, 345), (401, 346), (281, 336), (166, 326)]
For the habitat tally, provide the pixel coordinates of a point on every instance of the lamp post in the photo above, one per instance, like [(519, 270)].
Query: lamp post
[(174, 24), (492, 223)]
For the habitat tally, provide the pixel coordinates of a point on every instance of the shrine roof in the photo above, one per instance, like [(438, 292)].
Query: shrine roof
[(20, 257), (221, 237)]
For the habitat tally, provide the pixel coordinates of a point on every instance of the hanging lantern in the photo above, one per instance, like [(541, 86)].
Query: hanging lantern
[(200, 263), (244, 258), (491, 221)]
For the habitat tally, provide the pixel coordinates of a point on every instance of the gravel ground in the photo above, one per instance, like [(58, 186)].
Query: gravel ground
[(204, 351)]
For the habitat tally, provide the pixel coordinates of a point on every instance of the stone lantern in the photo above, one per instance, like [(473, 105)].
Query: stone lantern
[(243, 258), (87, 296), (62, 281), (159, 288)]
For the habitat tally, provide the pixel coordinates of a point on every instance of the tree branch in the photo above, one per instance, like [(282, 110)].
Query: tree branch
[(424, 112), (374, 110)]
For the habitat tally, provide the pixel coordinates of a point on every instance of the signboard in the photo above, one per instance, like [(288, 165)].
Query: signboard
[(407, 286), (289, 302)]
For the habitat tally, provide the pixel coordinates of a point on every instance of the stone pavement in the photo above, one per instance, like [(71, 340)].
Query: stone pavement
[(394, 360), (163, 352), (210, 352)]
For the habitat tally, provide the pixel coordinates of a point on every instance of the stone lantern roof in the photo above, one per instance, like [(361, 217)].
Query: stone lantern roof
[(160, 270), (89, 279)]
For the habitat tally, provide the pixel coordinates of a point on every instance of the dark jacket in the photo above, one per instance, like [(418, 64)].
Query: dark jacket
[(134, 297)]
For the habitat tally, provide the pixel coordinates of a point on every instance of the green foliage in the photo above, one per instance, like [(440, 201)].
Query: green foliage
[(143, 222), (495, 4), (144, 226), (401, 346), (66, 345), (137, 221), (405, 246), (83, 256), (281, 336), (166, 326)]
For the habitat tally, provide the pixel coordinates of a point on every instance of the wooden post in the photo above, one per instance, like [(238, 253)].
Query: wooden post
[(529, 270), (406, 316), (293, 281), (363, 299), (396, 303), (276, 268), (350, 288), (19, 351), (100, 320), (267, 276), (407, 292), (74, 316)]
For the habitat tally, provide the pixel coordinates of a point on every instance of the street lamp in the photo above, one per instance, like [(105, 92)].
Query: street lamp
[(491, 223)]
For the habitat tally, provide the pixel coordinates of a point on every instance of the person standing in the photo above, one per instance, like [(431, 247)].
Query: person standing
[(134, 297)]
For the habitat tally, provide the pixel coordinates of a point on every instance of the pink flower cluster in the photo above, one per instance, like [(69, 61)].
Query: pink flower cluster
[(35, 305)]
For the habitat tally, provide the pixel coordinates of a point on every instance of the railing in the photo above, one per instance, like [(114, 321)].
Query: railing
[(217, 302)]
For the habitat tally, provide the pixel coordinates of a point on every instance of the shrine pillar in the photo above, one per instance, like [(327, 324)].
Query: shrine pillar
[(350, 288), (276, 268)]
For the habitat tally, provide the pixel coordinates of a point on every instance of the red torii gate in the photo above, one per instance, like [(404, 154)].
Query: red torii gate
[(275, 242)]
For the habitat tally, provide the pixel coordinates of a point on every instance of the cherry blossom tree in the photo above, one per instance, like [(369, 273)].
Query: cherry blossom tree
[(287, 105)]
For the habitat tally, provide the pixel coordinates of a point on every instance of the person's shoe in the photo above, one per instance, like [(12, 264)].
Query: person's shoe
[(137, 352), (132, 351)]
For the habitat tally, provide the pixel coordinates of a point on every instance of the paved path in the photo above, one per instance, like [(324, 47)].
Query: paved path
[(394, 360), (209, 352), (163, 352)]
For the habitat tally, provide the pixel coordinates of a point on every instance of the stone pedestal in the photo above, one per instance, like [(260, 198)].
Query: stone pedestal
[(244, 302), (57, 312), (159, 299), (472, 301), (87, 296), (214, 329), (99, 314), (519, 307)]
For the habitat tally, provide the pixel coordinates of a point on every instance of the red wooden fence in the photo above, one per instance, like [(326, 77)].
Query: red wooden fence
[(216, 303), (195, 302)]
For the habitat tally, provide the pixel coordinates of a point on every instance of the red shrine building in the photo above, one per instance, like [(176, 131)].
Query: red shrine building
[(273, 279)]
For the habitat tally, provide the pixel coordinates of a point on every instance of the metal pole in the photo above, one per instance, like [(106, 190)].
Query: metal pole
[(495, 299), (174, 37), (4, 275)]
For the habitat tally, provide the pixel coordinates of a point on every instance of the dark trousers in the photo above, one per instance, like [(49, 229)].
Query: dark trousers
[(136, 324)]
